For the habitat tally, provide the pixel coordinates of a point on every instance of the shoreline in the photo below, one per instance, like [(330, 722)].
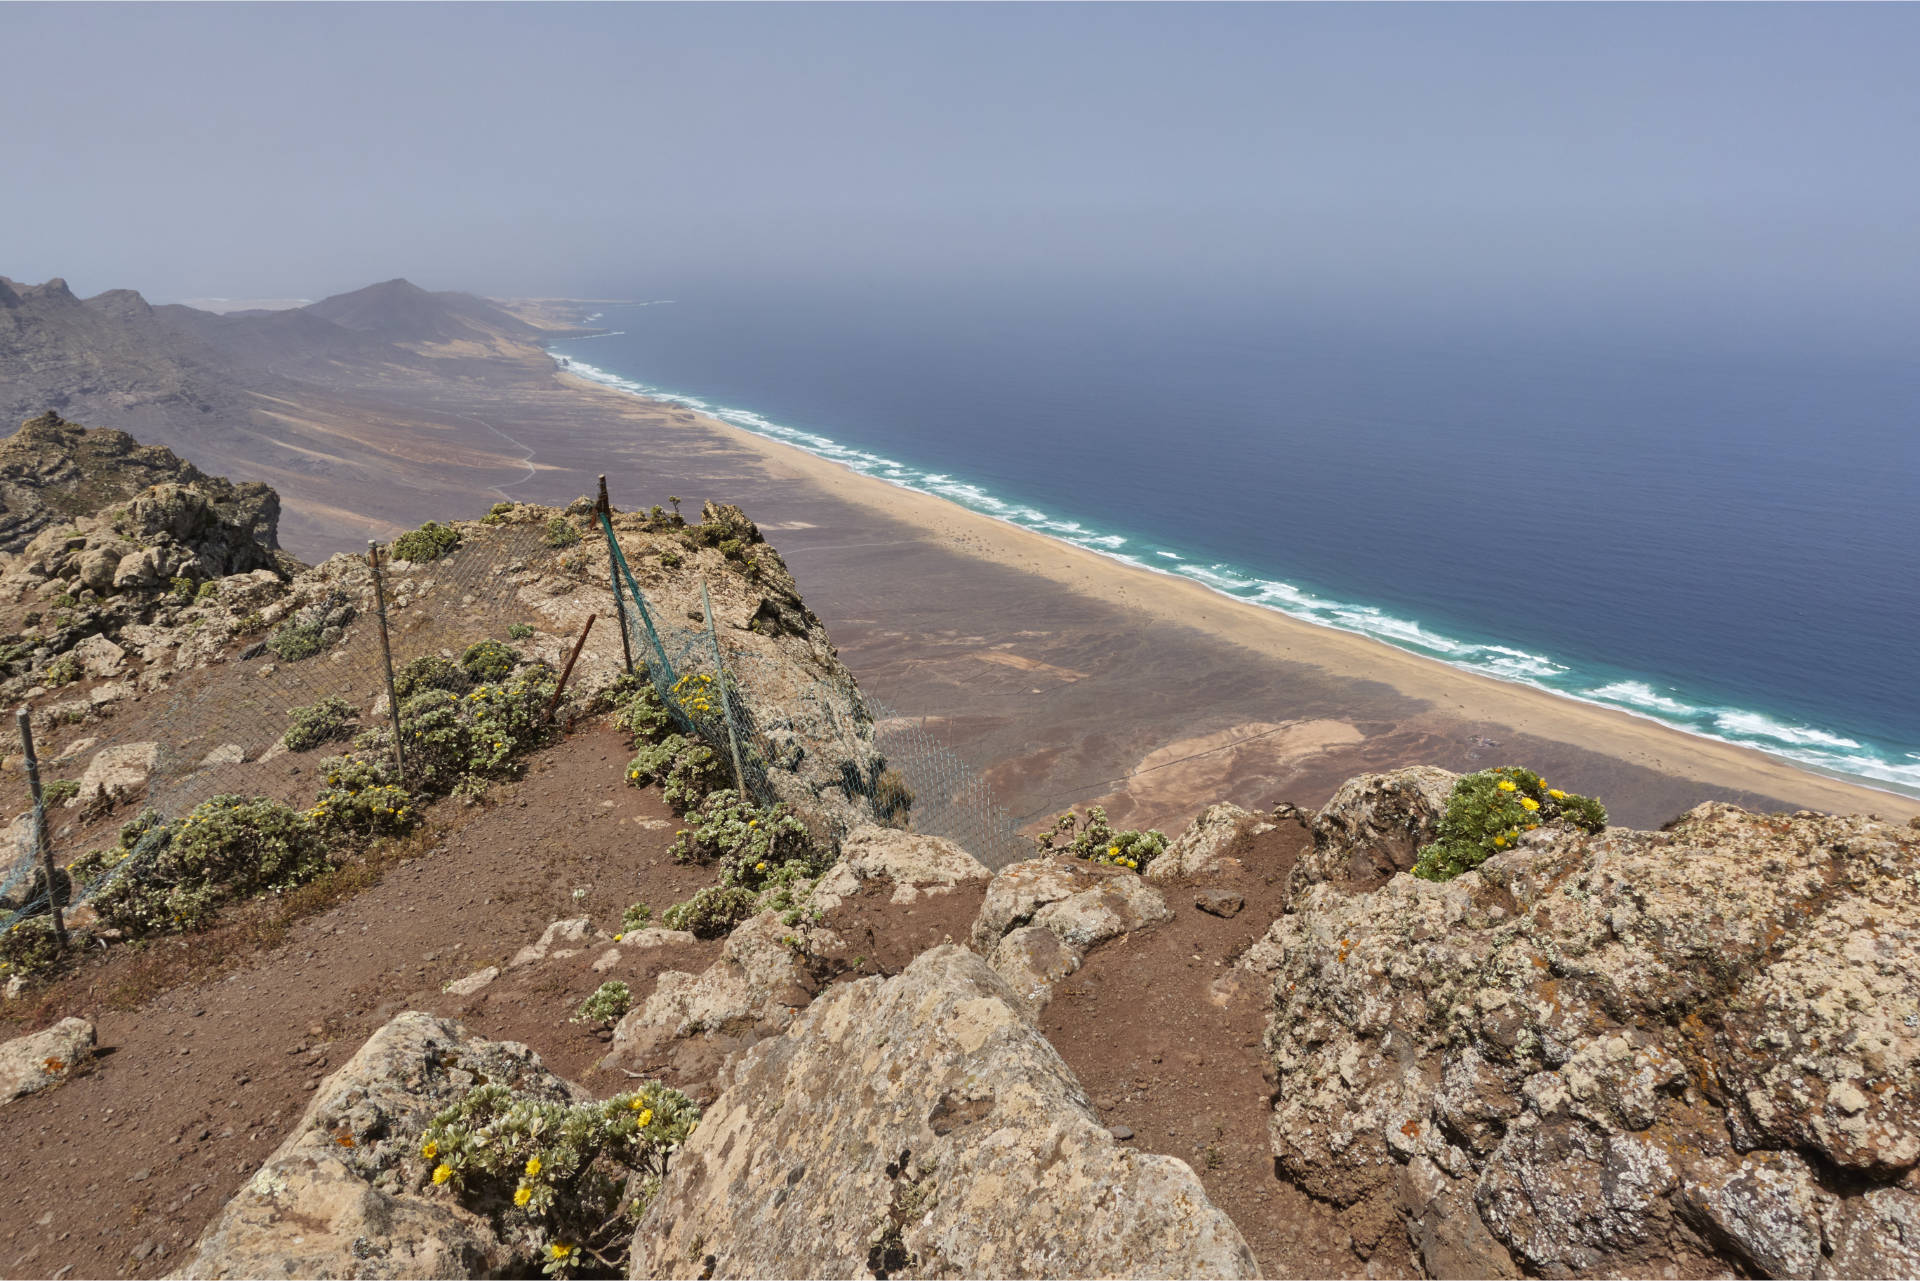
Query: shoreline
[(1638, 740)]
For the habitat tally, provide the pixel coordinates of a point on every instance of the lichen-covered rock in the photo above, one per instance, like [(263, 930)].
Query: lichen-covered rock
[(330, 1201), (1618, 1053), (1032, 959), (1083, 903), (1374, 827), (914, 864), (559, 941), (920, 1126), (692, 1022), (1202, 849), (39, 1060)]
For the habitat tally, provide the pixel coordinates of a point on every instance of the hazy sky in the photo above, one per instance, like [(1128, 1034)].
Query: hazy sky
[(1714, 155)]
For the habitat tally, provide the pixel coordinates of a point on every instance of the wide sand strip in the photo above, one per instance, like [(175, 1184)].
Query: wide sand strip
[(1467, 695)]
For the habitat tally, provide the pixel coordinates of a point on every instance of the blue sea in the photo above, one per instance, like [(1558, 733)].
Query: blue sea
[(1715, 531)]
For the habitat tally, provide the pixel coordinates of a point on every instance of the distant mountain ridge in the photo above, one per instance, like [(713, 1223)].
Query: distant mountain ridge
[(284, 396)]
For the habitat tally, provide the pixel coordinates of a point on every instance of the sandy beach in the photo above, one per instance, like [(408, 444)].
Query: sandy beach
[(1447, 694)]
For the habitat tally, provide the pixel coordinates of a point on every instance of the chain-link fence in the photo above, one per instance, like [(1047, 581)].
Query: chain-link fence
[(243, 688)]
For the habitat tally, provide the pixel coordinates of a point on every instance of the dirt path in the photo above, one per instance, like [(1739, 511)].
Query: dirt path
[(115, 1173), (1168, 1055)]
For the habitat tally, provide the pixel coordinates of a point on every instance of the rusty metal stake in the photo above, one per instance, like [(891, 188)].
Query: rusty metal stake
[(45, 847), (386, 658), (567, 671)]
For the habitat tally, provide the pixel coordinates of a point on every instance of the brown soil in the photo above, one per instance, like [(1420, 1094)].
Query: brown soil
[(116, 1172), (1165, 1035)]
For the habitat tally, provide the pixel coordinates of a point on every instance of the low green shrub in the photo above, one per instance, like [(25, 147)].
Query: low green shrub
[(361, 800), (452, 738), (578, 1176), (561, 533), (1488, 811), (209, 590), (297, 638), (670, 559), (228, 847), (518, 631), (643, 715), (608, 1004), (429, 671), (686, 769), (489, 660), (637, 917), (64, 670), (182, 588), (754, 846), (429, 542), (712, 912), (329, 720), (251, 623), (1095, 839), (497, 514), (60, 791), (29, 947)]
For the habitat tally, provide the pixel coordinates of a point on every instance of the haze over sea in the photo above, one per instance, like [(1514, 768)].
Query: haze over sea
[(1717, 532)]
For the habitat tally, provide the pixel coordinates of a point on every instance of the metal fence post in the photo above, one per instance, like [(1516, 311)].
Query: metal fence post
[(726, 701), (386, 657), (40, 825), (613, 574)]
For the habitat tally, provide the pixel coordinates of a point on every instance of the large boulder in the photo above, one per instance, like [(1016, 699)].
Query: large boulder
[(920, 1126), (1204, 849), (1374, 827), (1083, 903), (1697, 1048), (331, 1201), (912, 863), (40, 1060), (692, 1023)]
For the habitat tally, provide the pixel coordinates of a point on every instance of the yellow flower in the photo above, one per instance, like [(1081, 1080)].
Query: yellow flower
[(646, 1116), (1112, 850), (429, 1150), (1499, 840), (761, 866), (441, 1173), (560, 1250), (1508, 785), (533, 1166), (522, 1195), (618, 937), (1556, 794), (1528, 803)]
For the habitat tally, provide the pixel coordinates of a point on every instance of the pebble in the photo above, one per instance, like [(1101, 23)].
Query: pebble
[(1120, 1132)]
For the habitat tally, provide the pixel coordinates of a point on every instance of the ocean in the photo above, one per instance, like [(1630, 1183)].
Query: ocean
[(1717, 535)]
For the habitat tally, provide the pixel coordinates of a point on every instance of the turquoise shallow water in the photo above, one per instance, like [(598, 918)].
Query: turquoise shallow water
[(1718, 540)]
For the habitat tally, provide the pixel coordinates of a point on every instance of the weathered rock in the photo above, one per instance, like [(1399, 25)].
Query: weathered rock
[(119, 773), (559, 941), (100, 657), (914, 864), (1374, 827), (1204, 847), (692, 1023), (920, 1126), (473, 982), (1083, 903), (1032, 959), (40, 1060), (1695, 1048), (1221, 903), (328, 1202)]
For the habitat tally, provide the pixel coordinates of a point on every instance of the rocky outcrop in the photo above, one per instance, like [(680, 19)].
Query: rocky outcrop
[(1696, 1048), (692, 1023), (920, 1126), (1374, 827), (913, 864), (1205, 848), (41, 1060), (1040, 918), (331, 1200)]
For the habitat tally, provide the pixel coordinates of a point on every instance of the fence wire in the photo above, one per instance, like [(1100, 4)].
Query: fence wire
[(198, 703)]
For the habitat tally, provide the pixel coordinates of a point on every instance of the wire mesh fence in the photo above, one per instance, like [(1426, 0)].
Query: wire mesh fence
[(243, 688)]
